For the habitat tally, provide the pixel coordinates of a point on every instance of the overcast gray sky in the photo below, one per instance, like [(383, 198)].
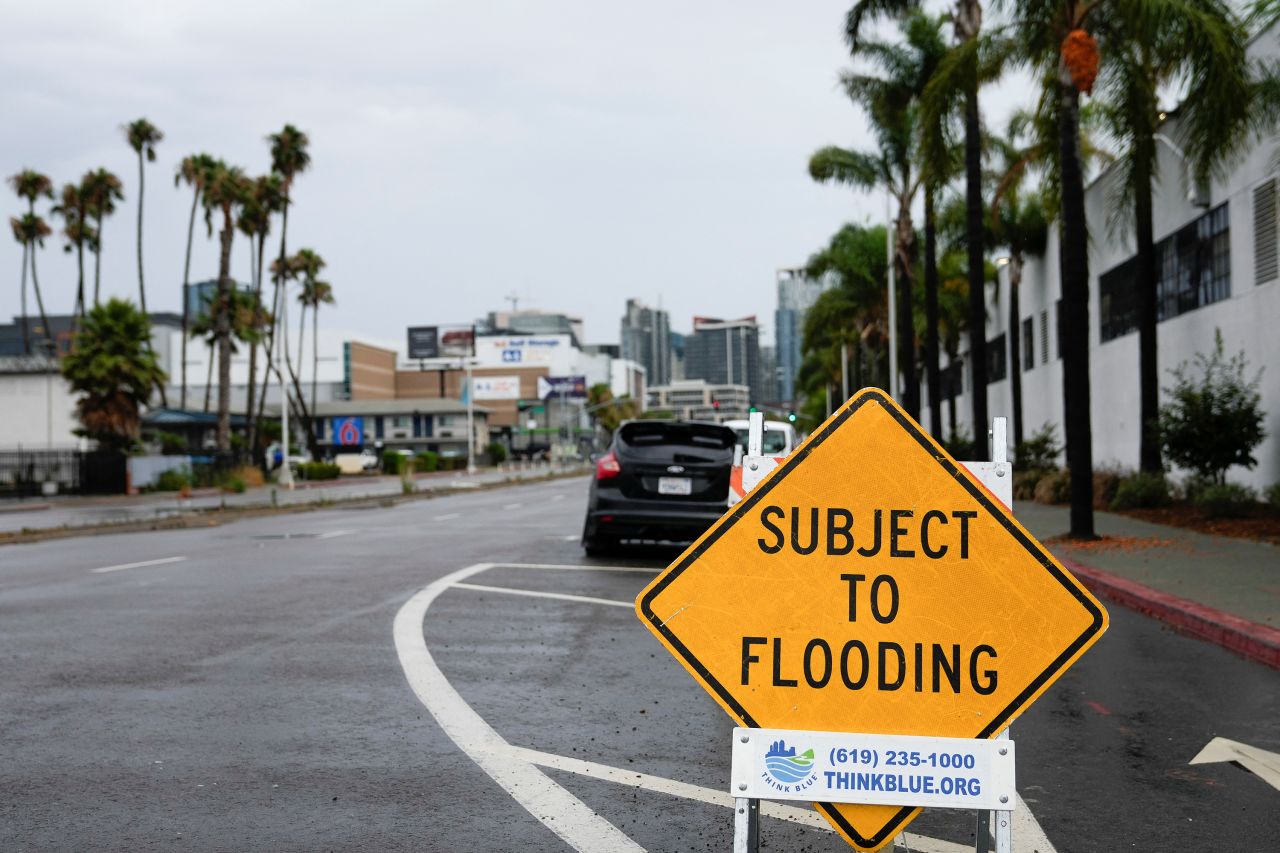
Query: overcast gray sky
[(575, 152)]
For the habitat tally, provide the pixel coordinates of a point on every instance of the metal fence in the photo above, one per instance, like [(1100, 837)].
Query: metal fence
[(23, 473)]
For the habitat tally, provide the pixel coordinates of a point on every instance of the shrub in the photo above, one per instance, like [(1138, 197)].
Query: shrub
[(1025, 482), (1039, 452), (959, 445), (171, 444), (318, 471), (1054, 488), (428, 461), (393, 461), (1194, 486), (174, 480), (233, 483), (1213, 420), (252, 475), (1106, 481), (1142, 490), (1227, 500), (1273, 495), (497, 452)]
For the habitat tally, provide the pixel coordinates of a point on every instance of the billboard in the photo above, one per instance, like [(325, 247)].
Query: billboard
[(496, 387), (562, 386), (424, 342), (348, 432)]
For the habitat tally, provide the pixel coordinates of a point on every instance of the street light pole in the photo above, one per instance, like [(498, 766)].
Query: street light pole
[(893, 301), (286, 473), (471, 393)]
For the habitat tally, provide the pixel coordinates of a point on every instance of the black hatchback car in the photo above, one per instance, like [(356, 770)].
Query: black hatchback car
[(660, 480)]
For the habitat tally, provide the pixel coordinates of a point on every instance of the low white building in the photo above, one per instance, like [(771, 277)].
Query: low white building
[(1218, 256), (37, 406)]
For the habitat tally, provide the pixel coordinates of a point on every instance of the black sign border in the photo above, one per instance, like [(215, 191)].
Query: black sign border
[(998, 723)]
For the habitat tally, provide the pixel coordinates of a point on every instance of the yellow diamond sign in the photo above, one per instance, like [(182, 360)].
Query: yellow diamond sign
[(872, 584)]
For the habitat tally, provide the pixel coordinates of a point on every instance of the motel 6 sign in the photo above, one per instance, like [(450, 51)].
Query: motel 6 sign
[(871, 584)]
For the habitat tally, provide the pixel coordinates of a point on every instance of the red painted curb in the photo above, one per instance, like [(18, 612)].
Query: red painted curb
[(1251, 640)]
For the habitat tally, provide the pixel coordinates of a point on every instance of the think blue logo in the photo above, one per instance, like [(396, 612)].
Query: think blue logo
[(784, 765)]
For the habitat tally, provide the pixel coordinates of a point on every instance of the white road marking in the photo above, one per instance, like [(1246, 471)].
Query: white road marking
[(557, 497), (138, 565), (333, 534), (585, 599), (577, 567), (512, 506), (561, 812), (1265, 765), (448, 516)]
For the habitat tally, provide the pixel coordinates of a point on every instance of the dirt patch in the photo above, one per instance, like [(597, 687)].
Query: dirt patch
[(1261, 524)]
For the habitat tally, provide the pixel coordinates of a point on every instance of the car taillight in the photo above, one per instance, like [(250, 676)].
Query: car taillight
[(607, 466)]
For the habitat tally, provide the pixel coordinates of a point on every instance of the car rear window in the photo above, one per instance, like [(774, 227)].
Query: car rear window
[(660, 437)]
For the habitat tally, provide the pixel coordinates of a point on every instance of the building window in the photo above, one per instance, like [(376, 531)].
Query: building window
[(952, 380), (997, 359), (1028, 346), (1194, 265), (1044, 336), (1116, 292), (401, 422), (377, 427), (1266, 234), (1057, 307)]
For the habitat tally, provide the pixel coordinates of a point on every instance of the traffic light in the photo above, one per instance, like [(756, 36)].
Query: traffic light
[(715, 404), (791, 417), (753, 410)]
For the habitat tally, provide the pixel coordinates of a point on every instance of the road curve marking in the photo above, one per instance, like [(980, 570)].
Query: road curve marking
[(512, 506), (448, 516), (561, 812), (532, 593), (333, 534), (577, 567), (139, 565)]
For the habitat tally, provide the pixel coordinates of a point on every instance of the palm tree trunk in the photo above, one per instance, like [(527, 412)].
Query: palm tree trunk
[(302, 332), (254, 407), (1015, 345), (270, 348), (222, 325), (186, 300), (283, 294), (932, 373), (142, 288), (80, 306), (44, 318), (1145, 286), (97, 266), (253, 344), (904, 250), (1074, 273), (208, 380), (977, 272), (26, 323), (315, 351)]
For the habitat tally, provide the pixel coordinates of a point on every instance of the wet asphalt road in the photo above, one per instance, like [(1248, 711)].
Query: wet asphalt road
[(250, 697)]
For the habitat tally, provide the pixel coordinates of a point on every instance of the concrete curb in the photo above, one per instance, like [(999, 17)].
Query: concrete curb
[(1251, 640), (21, 507)]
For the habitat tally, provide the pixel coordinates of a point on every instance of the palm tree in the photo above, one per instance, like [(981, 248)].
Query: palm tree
[(102, 190), (321, 293), (965, 68), (193, 171), (255, 222), (78, 232), (142, 136), (891, 104), (30, 230), (1020, 225), (226, 189), (31, 185), (289, 158), (1203, 43)]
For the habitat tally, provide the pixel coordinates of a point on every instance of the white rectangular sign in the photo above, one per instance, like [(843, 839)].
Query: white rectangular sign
[(891, 770), (496, 387)]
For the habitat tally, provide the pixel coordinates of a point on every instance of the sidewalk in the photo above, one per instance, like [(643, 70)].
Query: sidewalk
[(1221, 589), (71, 512)]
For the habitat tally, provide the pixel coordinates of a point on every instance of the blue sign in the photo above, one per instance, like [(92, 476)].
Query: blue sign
[(348, 432), (511, 356)]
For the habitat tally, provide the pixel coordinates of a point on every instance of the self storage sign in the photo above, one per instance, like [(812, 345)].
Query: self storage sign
[(870, 584)]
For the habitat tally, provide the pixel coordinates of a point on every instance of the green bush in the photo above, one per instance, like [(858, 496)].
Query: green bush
[(497, 452), (428, 460), (959, 445), (174, 480), (1106, 482), (393, 461), (1273, 495), (1213, 420), (1054, 488), (1025, 482), (318, 471), (1039, 452), (171, 444), (1194, 486), (1142, 490), (1227, 500)]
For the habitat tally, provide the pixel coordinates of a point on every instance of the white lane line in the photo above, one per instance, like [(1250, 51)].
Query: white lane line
[(512, 506), (138, 565), (561, 812), (578, 567), (448, 516), (557, 497), (585, 599), (334, 534)]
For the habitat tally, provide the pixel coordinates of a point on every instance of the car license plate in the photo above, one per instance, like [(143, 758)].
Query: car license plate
[(675, 486)]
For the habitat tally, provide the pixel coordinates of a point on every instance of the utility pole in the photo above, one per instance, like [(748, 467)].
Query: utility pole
[(286, 473)]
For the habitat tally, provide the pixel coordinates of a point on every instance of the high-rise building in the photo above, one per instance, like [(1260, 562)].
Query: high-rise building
[(646, 339), (726, 352), (796, 294)]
